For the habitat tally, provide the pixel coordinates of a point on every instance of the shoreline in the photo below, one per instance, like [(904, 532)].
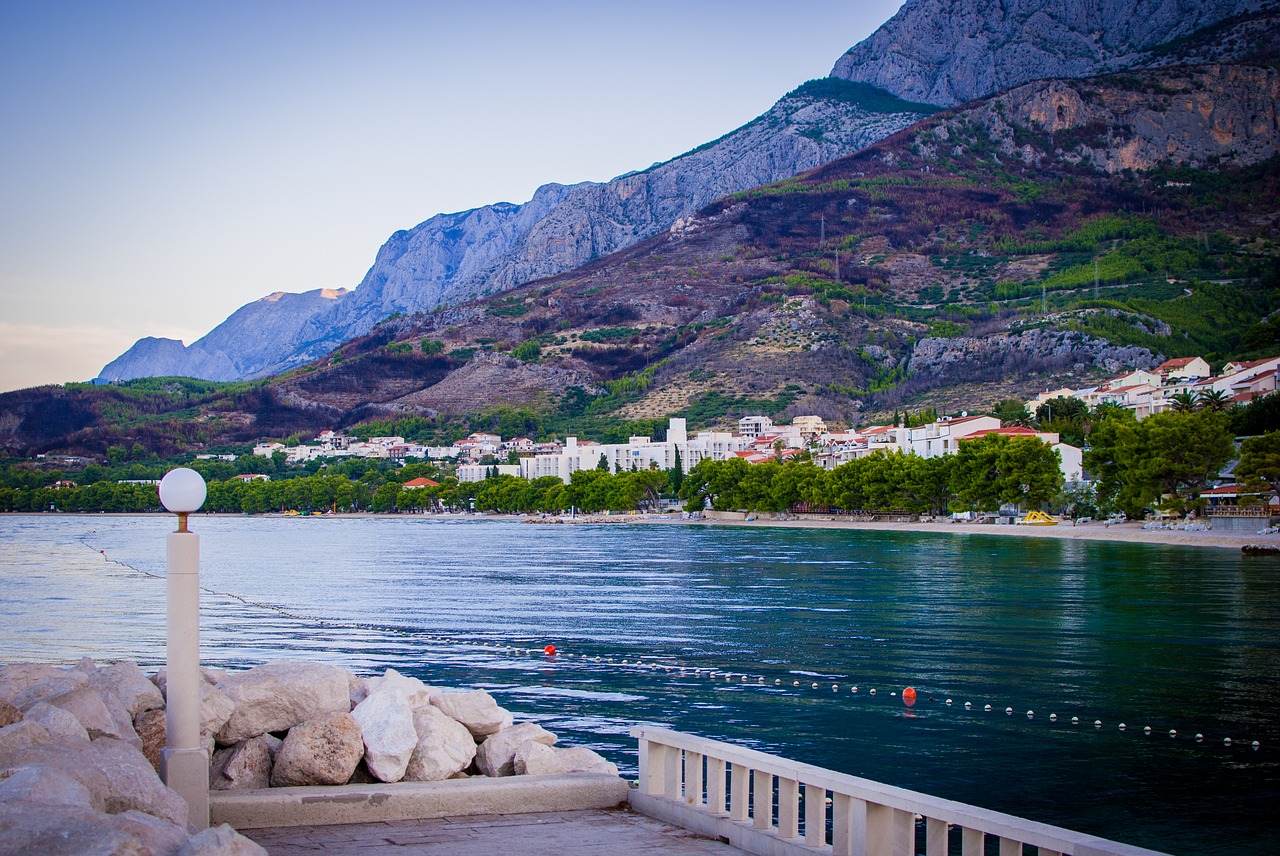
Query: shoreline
[(1130, 532)]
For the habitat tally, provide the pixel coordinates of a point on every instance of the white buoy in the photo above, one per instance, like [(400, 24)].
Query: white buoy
[(1226, 741), (1257, 744), (1173, 732), (1053, 717), (873, 690), (948, 702), (777, 681), (795, 683), (1199, 737), (835, 688), (968, 705), (1008, 710), (854, 689), (893, 694), (1097, 723), (987, 708), (1122, 726), (1075, 720), (1031, 714), (814, 686)]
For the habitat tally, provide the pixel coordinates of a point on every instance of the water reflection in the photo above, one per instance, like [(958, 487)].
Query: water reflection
[(1174, 638)]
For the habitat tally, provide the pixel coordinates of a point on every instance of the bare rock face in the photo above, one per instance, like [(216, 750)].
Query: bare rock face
[(221, 841), (445, 747), (153, 730), (279, 695), (496, 755), (118, 777), (247, 765), (8, 713), (60, 830), (475, 709), (61, 725), (321, 751), (537, 759), (947, 52), (386, 723)]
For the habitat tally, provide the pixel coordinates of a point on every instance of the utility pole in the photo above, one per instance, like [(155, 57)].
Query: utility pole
[(822, 232)]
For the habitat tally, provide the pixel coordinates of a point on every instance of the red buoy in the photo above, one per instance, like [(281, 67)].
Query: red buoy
[(909, 696), (549, 650)]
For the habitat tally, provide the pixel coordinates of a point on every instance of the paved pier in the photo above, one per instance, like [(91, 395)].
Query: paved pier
[(560, 833)]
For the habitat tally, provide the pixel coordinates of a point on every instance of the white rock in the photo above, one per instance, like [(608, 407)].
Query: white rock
[(357, 689), (475, 709), (496, 755), (61, 725), (320, 751), (221, 841), (535, 759), (73, 694), (445, 747), (18, 676), (247, 765), (47, 787), (125, 683), (415, 691), (21, 735), (386, 721), (29, 827), (118, 776), (279, 695), (215, 709)]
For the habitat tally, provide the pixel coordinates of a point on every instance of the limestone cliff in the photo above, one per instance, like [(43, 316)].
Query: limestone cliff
[(947, 52)]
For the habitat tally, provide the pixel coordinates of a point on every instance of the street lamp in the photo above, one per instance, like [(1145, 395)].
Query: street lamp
[(184, 763)]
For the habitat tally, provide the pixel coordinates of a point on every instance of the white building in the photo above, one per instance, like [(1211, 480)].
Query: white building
[(638, 453)]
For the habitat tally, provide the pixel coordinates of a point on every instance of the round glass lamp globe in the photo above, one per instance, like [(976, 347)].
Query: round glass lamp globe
[(182, 491)]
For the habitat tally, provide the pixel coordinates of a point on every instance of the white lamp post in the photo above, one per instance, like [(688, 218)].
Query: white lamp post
[(184, 764)]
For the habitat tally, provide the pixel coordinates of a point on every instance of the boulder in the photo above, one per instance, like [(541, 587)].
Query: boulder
[(8, 713), (47, 787), (62, 725), (537, 759), (215, 709), (118, 777), (63, 830), (17, 677), (357, 689), (386, 723), (280, 695), (125, 684), (21, 735), (247, 765), (153, 730), (475, 709), (415, 691), (445, 747), (321, 751), (221, 841), (210, 675), (496, 755), (74, 695)]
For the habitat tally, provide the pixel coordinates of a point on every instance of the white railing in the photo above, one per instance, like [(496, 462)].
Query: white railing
[(756, 801)]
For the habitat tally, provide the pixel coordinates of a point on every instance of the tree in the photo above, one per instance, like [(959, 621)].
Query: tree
[(993, 470), (1061, 407), (1259, 466), (1011, 412), (1214, 399), (1183, 402), (676, 474)]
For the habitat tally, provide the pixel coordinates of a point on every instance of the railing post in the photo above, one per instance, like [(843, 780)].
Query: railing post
[(693, 779), (788, 808), (972, 842), (849, 830), (1010, 847), (762, 800), (671, 773), (936, 838), (652, 756), (715, 786), (815, 816), (738, 793)]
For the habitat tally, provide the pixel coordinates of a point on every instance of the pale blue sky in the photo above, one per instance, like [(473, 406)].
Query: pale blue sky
[(161, 164)]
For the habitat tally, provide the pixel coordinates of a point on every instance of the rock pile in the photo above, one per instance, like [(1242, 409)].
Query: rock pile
[(80, 747)]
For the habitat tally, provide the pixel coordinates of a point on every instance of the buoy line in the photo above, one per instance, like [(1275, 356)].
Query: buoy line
[(909, 694)]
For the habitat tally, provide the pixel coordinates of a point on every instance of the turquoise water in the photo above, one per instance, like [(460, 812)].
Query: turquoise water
[(1171, 638)]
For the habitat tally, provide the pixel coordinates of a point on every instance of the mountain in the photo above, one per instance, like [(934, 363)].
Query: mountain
[(947, 52), (936, 51), (1054, 234), (454, 257)]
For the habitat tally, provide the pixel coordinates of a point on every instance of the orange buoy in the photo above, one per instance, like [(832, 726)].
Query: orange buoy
[(909, 696), (549, 650)]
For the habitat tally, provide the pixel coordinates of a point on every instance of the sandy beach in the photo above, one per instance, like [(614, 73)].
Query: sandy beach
[(1131, 532)]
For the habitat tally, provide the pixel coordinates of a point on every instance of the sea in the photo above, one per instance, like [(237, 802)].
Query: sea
[(1128, 691)]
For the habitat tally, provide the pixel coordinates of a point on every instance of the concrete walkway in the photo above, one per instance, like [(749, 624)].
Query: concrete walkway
[(561, 833)]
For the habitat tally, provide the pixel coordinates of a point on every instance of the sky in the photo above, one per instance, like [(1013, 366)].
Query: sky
[(162, 164)]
